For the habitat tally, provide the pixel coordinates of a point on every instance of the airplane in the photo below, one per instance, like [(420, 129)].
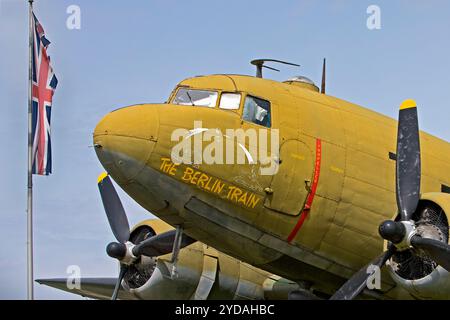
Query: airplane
[(349, 192)]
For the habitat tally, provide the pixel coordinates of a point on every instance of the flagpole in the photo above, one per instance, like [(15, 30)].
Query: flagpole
[(30, 277)]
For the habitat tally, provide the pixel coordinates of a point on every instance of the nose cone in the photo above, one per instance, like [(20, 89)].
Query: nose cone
[(124, 140)]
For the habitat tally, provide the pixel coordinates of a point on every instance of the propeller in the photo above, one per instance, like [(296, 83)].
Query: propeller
[(408, 166), (439, 251), (401, 234), (122, 272), (160, 244), (356, 284), (126, 252)]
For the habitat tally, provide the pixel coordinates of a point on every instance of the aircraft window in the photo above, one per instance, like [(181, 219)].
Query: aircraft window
[(190, 97), (230, 101), (257, 111)]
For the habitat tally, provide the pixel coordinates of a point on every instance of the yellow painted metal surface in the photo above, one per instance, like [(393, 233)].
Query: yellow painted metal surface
[(354, 194)]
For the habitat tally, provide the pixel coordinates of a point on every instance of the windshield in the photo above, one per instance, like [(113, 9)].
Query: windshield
[(192, 97)]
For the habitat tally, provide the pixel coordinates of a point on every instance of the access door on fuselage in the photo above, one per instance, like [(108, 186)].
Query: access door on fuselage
[(289, 188), (286, 172)]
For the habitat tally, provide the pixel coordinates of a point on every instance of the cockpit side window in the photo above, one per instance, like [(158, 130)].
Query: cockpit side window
[(257, 110), (192, 97), (230, 101)]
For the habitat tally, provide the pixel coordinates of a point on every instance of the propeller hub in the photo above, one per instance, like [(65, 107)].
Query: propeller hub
[(116, 250), (399, 233), (122, 252), (392, 231)]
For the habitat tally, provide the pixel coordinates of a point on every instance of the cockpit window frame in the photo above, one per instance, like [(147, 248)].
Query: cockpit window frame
[(175, 93), (244, 98), (241, 101), (219, 97), (240, 111)]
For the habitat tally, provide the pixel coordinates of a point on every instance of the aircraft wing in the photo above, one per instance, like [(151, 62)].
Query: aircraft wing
[(96, 288)]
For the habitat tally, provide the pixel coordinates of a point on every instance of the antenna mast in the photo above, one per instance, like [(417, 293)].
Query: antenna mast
[(322, 88), (259, 63)]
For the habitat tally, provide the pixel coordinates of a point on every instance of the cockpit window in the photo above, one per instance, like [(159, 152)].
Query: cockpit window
[(230, 101), (192, 97), (257, 111)]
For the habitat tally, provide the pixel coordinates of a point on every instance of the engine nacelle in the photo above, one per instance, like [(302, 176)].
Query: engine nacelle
[(436, 285), (201, 273), (411, 269)]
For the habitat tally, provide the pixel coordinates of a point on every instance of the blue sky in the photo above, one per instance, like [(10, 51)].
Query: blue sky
[(130, 52)]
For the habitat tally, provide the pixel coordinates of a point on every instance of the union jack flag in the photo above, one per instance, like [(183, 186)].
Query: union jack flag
[(43, 86)]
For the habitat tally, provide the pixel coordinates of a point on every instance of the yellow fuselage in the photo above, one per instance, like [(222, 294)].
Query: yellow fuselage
[(255, 217)]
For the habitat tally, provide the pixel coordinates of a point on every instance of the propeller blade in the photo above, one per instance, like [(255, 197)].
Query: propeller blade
[(123, 271), (114, 210), (160, 244), (356, 284), (408, 160), (437, 250)]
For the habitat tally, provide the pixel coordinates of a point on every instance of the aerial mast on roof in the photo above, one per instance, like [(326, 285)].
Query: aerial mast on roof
[(322, 88), (259, 63)]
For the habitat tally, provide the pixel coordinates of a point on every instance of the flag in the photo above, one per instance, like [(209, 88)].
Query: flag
[(43, 86)]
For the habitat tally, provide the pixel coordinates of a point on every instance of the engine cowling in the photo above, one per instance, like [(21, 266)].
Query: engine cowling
[(412, 269), (201, 273)]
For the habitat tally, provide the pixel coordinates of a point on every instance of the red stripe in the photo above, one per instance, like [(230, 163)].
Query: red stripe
[(42, 88), (312, 193)]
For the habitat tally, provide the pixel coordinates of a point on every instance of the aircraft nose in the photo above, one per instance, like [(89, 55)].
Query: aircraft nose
[(124, 140)]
